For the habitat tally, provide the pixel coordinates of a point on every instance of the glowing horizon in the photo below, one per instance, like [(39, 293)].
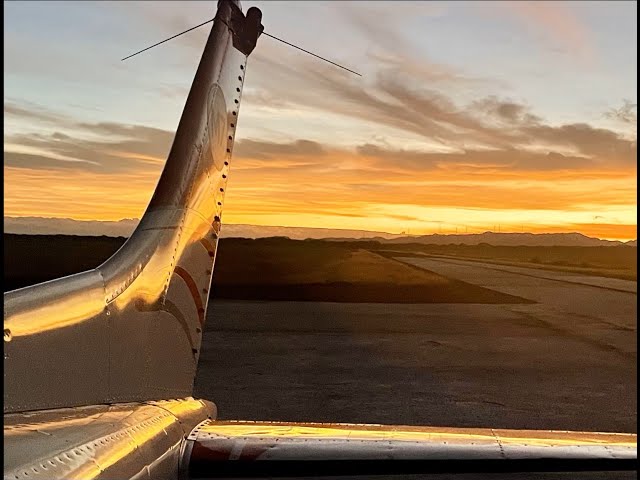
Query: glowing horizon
[(467, 137)]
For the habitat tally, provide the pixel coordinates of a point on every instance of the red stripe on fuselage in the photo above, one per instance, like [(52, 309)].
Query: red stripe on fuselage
[(193, 288)]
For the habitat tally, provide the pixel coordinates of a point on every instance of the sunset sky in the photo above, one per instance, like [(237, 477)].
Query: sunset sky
[(469, 116)]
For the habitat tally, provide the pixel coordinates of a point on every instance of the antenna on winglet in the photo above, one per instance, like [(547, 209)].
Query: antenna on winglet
[(166, 40), (306, 51), (265, 33)]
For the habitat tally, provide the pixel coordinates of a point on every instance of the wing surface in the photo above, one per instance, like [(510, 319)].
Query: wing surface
[(259, 449)]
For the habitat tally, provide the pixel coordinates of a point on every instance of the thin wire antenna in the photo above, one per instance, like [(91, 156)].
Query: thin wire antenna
[(306, 51), (264, 33), (167, 39)]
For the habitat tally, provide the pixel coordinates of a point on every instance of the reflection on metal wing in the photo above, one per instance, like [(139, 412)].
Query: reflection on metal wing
[(78, 349), (257, 449), (141, 441), (131, 329)]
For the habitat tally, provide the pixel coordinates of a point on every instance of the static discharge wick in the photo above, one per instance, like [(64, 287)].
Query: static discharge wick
[(264, 33)]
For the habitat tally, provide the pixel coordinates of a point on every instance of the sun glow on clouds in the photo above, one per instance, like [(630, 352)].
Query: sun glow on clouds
[(415, 145)]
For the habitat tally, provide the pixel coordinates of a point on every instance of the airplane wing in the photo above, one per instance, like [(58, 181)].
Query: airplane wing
[(163, 440), (258, 449), (99, 366)]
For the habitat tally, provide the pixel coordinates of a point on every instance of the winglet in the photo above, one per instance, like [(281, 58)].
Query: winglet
[(131, 329)]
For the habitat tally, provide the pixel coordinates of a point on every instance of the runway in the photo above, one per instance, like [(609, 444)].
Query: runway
[(557, 275), (567, 362), (597, 309)]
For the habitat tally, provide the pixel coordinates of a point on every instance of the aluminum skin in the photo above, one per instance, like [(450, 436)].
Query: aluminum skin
[(264, 449), (139, 441), (99, 366), (131, 329)]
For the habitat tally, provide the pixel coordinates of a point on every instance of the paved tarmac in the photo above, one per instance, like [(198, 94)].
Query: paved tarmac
[(567, 362), (598, 309)]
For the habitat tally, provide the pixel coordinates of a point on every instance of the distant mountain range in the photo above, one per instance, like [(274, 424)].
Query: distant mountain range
[(528, 239), (68, 226), (124, 228)]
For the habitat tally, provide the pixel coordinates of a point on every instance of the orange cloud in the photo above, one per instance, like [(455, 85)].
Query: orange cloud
[(531, 173), (82, 196), (557, 22), (348, 199)]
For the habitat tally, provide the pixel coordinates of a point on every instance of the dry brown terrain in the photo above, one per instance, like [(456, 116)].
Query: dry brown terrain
[(607, 261), (264, 269), (358, 265)]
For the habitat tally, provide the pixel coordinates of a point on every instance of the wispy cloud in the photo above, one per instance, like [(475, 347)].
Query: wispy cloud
[(558, 24), (627, 113), (118, 148), (464, 177), (397, 103), (261, 150), (33, 113), (413, 140)]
